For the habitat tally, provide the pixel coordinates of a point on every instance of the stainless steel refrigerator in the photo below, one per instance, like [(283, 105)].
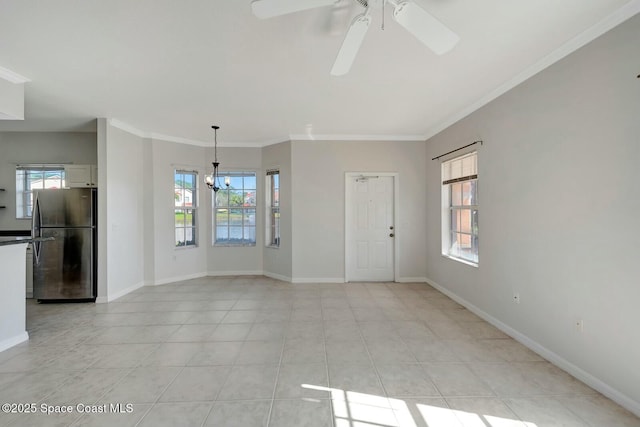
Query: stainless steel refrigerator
[(64, 269)]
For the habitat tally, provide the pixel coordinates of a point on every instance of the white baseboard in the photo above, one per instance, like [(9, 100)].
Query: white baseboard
[(277, 276), (180, 278), (412, 280), (234, 273), (124, 292), (119, 294), (318, 280), (13, 341), (577, 372)]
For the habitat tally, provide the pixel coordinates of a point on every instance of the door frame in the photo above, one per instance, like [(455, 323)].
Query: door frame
[(348, 211)]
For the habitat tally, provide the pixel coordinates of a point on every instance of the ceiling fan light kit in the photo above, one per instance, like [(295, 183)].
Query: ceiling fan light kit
[(413, 18)]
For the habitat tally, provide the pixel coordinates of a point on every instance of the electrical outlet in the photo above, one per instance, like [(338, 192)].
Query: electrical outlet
[(516, 298), (578, 325)]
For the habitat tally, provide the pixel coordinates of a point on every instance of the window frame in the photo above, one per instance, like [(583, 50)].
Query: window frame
[(450, 208), (22, 204), (272, 206), (183, 207), (246, 209)]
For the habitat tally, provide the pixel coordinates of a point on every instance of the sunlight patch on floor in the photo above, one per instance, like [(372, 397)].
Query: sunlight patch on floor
[(353, 409)]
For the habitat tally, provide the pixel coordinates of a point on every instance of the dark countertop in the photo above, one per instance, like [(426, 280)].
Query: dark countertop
[(15, 233), (5, 241)]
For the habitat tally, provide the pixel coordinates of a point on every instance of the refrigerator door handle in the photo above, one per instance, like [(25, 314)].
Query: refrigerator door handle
[(36, 230)]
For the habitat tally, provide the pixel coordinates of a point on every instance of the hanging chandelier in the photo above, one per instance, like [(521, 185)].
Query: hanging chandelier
[(213, 180)]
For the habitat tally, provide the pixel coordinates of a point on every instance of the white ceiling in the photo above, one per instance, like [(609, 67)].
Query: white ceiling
[(174, 68)]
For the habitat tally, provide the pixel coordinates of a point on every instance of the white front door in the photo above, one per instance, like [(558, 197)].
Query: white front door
[(370, 228)]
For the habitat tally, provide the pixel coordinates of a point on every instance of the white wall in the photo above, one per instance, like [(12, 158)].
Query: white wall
[(236, 260), (559, 202), (278, 261), (122, 204), (171, 263), (318, 186), (37, 147)]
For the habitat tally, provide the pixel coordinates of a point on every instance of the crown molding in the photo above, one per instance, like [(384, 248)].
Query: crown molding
[(259, 144), (273, 141), (12, 77), (127, 128), (179, 140), (356, 137), (609, 22), (206, 144)]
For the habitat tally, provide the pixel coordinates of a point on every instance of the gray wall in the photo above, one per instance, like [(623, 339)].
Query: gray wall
[(559, 202), (318, 193), (171, 263), (37, 147), (278, 261), (148, 175)]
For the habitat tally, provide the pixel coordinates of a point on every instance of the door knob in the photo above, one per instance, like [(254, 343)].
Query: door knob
[(391, 235)]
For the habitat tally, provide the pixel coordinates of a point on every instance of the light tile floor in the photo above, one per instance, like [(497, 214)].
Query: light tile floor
[(255, 352)]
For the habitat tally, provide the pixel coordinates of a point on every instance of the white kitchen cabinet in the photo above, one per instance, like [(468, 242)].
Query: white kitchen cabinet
[(94, 175), (81, 176)]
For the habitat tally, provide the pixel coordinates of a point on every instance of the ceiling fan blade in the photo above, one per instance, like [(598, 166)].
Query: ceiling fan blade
[(433, 33), (264, 9), (351, 45)]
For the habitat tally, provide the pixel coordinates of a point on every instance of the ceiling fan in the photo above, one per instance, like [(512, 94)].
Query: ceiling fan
[(426, 28)]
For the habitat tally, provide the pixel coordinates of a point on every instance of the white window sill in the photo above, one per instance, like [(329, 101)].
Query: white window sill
[(182, 248), (461, 260), (222, 245), (273, 246)]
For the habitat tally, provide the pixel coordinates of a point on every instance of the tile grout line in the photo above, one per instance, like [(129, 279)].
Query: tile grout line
[(164, 389), (275, 385), (420, 364), (215, 400), (326, 363), (157, 400), (373, 364)]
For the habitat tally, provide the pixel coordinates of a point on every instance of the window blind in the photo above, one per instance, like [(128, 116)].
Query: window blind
[(463, 168)]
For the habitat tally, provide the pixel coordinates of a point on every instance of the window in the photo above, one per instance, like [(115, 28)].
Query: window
[(35, 177), (460, 208), (273, 208), (234, 219), (186, 207)]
